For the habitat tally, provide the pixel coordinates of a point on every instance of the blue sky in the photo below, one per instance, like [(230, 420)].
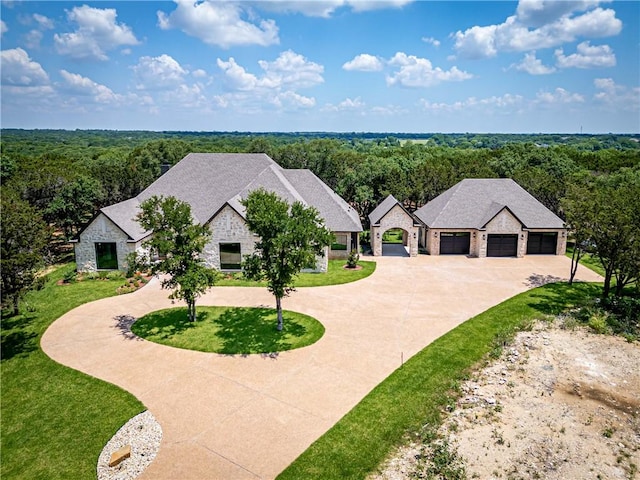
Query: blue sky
[(337, 65)]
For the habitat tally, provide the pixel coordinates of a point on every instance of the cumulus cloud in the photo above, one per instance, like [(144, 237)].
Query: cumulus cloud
[(97, 33), (348, 104), (587, 56), (45, 23), (431, 41), (157, 73), (559, 96), (415, 72), (364, 63), (538, 25), (19, 70), (506, 101), (218, 23), (616, 97), (76, 84), (199, 73), (292, 101), (33, 38), (3, 27), (532, 65), (326, 8)]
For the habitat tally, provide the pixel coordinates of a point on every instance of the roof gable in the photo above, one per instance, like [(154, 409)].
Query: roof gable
[(472, 203), (385, 207)]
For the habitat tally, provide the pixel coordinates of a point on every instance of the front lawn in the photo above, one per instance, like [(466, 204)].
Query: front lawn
[(229, 330), (415, 394), (55, 420), (335, 275)]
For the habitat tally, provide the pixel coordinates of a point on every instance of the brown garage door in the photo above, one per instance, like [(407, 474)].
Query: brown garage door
[(502, 245), (542, 243), (454, 243)]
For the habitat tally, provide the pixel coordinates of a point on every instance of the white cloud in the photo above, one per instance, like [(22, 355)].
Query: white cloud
[(507, 101), (97, 33), (236, 76), (553, 25), (33, 39), (218, 23), (18, 69), (78, 85), (533, 66), (199, 73), (326, 8), (348, 104), (415, 72), (45, 23), (617, 97), (587, 56), (431, 41), (364, 63), (292, 70), (559, 96), (293, 101), (3, 27), (157, 73)]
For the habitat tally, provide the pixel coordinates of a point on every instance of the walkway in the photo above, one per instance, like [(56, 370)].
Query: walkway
[(228, 417)]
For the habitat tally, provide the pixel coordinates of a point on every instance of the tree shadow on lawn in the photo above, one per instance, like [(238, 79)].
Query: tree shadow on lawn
[(245, 331), (163, 324), (17, 339), (554, 298)]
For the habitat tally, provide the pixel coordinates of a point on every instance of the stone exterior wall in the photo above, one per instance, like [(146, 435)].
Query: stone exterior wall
[(397, 217), (102, 230), (227, 227), (504, 223)]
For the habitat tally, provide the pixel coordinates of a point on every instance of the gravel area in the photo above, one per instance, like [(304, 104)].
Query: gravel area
[(144, 434)]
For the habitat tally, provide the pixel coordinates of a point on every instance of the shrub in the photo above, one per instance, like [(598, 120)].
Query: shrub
[(352, 260), (598, 322)]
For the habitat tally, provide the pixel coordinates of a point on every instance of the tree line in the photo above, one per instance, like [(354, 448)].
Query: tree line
[(58, 180)]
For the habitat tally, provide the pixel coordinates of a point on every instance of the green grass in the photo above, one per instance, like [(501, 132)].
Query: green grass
[(229, 330), (417, 393), (55, 420), (392, 236), (588, 261), (335, 275)]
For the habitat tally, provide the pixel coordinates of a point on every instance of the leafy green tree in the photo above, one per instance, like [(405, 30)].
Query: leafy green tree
[(291, 237), (24, 238), (604, 212), (179, 243), (75, 204)]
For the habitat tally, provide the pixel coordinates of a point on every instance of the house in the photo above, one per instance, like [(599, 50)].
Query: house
[(214, 185), (480, 218)]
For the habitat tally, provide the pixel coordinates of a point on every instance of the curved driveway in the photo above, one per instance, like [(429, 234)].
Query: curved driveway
[(234, 417)]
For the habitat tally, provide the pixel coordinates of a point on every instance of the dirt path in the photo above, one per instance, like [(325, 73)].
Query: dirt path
[(558, 404)]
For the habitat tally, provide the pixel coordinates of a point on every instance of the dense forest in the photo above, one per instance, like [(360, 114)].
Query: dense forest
[(58, 179)]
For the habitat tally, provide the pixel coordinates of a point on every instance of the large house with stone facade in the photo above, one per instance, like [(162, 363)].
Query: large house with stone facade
[(214, 185), (477, 217)]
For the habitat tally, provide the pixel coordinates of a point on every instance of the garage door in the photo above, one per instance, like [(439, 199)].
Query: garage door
[(542, 243), (502, 245), (454, 243)]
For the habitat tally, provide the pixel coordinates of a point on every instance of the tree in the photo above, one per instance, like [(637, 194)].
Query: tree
[(24, 238), (74, 204), (291, 237), (179, 243)]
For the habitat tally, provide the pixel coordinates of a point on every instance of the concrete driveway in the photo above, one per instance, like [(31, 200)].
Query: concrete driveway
[(239, 417)]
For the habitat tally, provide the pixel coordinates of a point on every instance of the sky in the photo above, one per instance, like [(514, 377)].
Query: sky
[(533, 66)]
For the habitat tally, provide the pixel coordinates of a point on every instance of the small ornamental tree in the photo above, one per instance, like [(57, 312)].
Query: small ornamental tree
[(291, 237), (179, 241)]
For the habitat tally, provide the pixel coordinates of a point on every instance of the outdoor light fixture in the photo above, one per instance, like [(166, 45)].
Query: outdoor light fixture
[(414, 234), (377, 234), (484, 236), (522, 236), (474, 234), (435, 234)]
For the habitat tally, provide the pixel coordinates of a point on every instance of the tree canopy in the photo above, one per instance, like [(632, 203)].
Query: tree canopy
[(291, 238)]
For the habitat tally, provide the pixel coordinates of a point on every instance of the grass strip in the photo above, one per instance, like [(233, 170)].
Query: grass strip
[(55, 420), (335, 275), (229, 330), (417, 393)]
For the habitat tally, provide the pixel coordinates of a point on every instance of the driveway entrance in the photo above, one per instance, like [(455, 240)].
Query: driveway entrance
[(235, 417)]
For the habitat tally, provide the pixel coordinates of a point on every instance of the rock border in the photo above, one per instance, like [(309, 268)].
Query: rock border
[(144, 434)]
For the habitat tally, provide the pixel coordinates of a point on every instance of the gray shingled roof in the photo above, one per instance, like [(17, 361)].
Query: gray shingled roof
[(472, 203), (382, 209), (207, 181)]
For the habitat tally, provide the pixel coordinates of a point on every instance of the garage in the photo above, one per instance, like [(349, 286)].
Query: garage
[(542, 243), (502, 245), (454, 243)]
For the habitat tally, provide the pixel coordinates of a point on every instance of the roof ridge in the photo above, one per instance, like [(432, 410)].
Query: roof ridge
[(455, 188)]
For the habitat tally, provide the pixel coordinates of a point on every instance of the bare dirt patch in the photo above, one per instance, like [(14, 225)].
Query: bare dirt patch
[(557, 404)]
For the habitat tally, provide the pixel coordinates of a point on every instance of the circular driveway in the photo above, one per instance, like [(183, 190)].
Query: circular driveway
[(235, 417)]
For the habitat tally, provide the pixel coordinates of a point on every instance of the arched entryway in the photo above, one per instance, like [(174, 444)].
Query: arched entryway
[(395, 243), (391, 216)]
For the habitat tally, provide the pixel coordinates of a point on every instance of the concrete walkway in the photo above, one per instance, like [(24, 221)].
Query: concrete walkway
[(228, 417)]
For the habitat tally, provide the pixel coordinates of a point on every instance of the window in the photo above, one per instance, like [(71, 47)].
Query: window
[(230, 256), (106, 256), (340, 242)]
